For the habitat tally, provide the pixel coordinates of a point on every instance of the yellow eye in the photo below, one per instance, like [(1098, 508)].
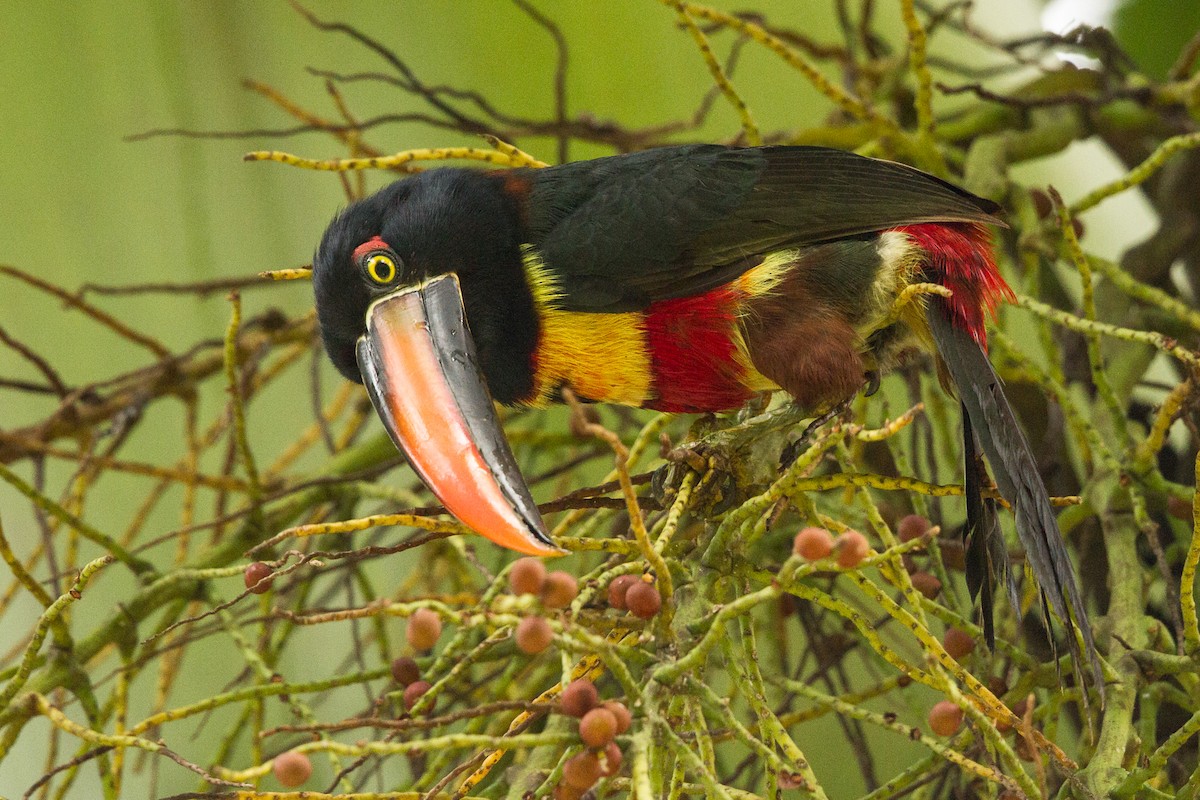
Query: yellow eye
[(381, 268)]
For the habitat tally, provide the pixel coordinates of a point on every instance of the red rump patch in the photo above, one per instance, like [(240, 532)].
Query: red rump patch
[(692, 353), (960, 258), (369, 246)]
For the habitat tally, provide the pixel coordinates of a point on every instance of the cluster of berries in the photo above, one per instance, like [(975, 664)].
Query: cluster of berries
[(636, 595), (599, 724), (556, 590)]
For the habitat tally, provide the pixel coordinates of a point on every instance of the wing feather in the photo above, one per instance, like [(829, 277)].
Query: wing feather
[(621, 232)]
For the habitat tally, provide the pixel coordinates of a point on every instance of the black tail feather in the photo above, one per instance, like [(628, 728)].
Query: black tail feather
[(986, 556), (991, 417)]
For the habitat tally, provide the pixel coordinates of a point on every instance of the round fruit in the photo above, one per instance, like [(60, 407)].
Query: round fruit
[(413, 692), (598, 727), (617, 589), (852, 548), (424, 628), (405, 670), (582, 770), (560, 589), (291, 768), (958, 643), (911, 527), (927, 584), (579, 698), (813, 544), (611, 763), (945, 718), (258, 578), (527, 576), (643, 600), (533, 635), (624, 718)]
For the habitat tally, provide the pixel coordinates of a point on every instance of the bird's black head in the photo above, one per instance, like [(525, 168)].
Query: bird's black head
[(422, 297), (444, 220)]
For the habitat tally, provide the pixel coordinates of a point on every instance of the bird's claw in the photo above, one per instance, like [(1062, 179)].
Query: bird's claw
[(793, 450), (872, 376)]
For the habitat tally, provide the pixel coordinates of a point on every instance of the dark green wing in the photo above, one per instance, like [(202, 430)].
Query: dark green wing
[(622, 232)]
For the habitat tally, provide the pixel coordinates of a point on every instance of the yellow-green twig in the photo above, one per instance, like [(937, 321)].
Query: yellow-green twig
[(923, 101), (249, 692), (1139, 173), (237, 404), (1095, 358), (398, 161), (48, 618), (61, 721), (636, 520), (1187, 581), (517, 156), (362, 524), (1092, 326), (1151, 295), (1147, 450), (289, 274), (458, 741), (749, 126), (845, 101)]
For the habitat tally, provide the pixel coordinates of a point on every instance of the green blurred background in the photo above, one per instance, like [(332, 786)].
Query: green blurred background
[(80, 203)]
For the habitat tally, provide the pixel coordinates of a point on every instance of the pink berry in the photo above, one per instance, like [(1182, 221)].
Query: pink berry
[(405, 671), (911, 527), (598, 727), (813, 544), (424, 629), (258, 578), (852, 547), (643, 599), (945, 718), (579, 697), (617, 590), (533, 635), (413, 692), (561, 588), (958, 643), (527, 576), (291, 768)]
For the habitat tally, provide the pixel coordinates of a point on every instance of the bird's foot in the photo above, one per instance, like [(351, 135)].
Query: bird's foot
[(716, 467), (729, 462), (793, 450)]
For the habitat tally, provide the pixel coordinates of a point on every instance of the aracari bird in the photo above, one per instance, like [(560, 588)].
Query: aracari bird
[(681, 279)]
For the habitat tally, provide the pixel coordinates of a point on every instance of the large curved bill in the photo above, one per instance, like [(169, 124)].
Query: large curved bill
[(419, 365)]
